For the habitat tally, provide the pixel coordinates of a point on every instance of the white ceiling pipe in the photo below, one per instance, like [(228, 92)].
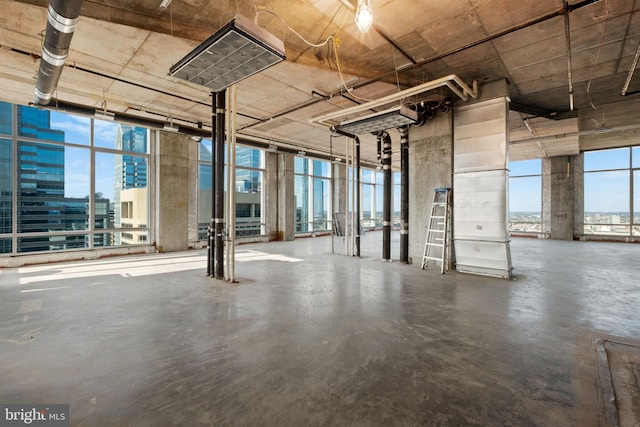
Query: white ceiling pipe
[(462, 90)]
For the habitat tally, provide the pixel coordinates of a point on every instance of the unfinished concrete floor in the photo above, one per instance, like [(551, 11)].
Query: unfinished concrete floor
[(310, 338)]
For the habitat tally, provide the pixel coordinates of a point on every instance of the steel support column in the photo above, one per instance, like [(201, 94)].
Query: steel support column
[(218, 171), (386, 208), (212, 224), (404, 194)]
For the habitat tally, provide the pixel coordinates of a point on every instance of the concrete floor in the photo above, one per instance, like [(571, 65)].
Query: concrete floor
[(310, 338)]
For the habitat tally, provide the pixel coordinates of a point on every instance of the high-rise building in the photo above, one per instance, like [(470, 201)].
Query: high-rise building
[(130, 173), (40, 185)]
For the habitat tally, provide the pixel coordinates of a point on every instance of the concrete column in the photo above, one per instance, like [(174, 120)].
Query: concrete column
[(578, 194), (286, 197), (193, 193), (558, 197), (173, 192), (430, 160)]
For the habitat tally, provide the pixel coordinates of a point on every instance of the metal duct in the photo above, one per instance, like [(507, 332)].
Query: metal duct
[(62, 19)]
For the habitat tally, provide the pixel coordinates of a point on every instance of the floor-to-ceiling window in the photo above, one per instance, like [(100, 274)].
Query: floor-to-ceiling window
[(611, 181), (70, 182), (525, 196), (312, 194), (249, 194), (372, 185), (249, 190), (6, 178), (397, 197)]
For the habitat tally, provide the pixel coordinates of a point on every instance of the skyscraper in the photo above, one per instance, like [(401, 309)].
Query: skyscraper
[(130, 183)]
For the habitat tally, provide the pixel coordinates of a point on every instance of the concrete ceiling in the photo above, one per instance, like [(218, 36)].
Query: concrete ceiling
[(122, 50)]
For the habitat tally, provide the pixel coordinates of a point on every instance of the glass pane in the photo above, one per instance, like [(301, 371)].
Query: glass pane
[(121, 182), (104, 133), (53, 243), (121, 137), (76, 129), (301, 165), (50, 196), (6, 186), (249, 192), (606, 201), (248, 181), (248, 157), (36, 124), (397, 197), (606, 159), (525, 204), (636, 203), (321, 168), (368, 176), (525, 167), (302, 202), (5, 246), (6, 119), (636, 157), (379, 204), (204, 200), (105, 184), (205, 151), (321, 203), (380, 178), (368, 209)]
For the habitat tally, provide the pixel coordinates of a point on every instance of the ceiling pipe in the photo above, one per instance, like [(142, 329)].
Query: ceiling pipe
[(81, 110), (452, 81), (62, 18), (631, 71)]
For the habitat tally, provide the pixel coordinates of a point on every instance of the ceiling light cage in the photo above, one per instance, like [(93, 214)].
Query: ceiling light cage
[(387, 119), (238, 50)]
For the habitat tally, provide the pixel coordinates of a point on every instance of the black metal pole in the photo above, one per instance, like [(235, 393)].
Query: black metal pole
[(211, 231), (386, 208), (219, 188), (358, 196), (404, 194)]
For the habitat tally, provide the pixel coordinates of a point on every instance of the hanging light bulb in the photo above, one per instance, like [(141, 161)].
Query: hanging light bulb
[(364, 15)]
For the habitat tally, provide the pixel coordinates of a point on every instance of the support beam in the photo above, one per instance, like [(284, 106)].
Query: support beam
[(219, 184), (386, 208), (212, 224), (404, 194)]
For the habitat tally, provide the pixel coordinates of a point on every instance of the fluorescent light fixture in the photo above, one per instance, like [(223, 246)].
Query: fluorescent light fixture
[(364, 15), (165, 4), (382, 120), (104, 115), (236, 51), (170, 128)]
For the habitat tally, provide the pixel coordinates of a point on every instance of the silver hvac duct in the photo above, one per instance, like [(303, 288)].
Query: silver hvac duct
[(62, 19)]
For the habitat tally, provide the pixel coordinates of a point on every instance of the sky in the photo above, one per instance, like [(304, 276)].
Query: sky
[(77, 161)]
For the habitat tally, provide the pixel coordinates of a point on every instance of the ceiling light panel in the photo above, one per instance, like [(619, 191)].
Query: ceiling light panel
[(383, 120), (235, 52)]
